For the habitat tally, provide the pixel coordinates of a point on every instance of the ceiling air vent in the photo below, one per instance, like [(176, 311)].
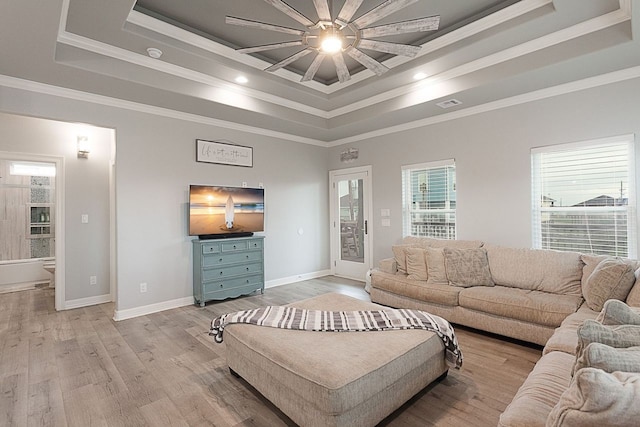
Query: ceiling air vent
[(449, 103)]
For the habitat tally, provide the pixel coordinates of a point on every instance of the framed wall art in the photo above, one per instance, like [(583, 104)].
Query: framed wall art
[(223, 153)]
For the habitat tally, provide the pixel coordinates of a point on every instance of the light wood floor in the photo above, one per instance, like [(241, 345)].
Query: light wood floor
[(80, 368)]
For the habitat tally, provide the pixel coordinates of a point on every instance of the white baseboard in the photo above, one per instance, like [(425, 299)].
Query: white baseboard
[(152, 308), (297, 278), (181, 302), (85, 302), (24, 286)]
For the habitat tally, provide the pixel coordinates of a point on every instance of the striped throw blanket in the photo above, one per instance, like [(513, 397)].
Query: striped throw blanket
[(344, 321)]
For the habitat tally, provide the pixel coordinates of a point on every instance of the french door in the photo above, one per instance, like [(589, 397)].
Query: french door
[(350, 206)]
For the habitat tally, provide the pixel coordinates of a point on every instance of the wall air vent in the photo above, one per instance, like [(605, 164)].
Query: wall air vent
[(448, 103)]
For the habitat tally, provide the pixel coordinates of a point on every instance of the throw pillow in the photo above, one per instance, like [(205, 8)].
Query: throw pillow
[(436, 272), (611, 279), (622, 336), (616, 312), (609, 359), (400, 255), (467, 267), (597, 398), (416, 264)]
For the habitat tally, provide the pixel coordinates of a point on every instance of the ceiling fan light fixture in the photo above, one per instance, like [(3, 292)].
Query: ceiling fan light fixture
[(330, 42)]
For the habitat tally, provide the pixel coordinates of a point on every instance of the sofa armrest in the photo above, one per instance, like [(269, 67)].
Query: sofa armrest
[(388, 265)]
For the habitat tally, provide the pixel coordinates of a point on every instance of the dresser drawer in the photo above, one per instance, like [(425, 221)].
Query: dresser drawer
[(235, 246), (230, 258), (220, 273), (232, 283), (210, 248)]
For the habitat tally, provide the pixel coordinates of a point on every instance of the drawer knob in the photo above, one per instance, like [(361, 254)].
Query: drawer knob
[(247, 268), (220, 259), (221, 285), (221, 273), (234, 246), (247, 280), (247, 256)]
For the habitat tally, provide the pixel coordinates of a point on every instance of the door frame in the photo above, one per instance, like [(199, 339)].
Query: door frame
[(334, 219)]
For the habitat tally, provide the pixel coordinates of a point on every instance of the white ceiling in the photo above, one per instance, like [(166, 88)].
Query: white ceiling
[(488, 54)]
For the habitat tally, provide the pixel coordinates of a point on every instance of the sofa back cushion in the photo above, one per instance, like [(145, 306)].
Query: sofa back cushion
[(416, 263), (428, 242), (633, 299), (557, 272), (611, 279)]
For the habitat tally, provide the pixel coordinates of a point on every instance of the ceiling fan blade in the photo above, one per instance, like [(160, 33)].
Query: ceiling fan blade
[(386, 47), (423, 24), (262, 26), (379, 12), (289, 60), (269, 47), (341, 67), (291, 12), (348, 10), (322, 7), (366, 60), (313, 68)]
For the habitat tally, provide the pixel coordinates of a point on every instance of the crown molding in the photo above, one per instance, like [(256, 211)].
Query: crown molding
[(563, 89), (47, 89)]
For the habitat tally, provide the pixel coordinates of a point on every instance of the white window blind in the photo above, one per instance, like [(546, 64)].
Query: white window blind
[(583, 197), (429, 200)]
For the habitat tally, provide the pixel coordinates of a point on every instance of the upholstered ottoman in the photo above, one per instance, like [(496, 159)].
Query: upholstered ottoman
[(335, 378)]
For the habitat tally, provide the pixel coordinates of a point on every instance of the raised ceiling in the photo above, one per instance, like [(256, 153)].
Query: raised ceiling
[(486, 55), (207, 19)]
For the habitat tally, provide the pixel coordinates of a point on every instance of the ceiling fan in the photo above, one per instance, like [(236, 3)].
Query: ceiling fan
[(334, 37)]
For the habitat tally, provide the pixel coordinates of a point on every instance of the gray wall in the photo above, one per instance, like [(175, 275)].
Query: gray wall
[(86, 188), (155, 163), (492, 153)]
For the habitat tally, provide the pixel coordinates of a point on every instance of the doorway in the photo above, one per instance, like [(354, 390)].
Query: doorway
[(31, 201), (350, 205)]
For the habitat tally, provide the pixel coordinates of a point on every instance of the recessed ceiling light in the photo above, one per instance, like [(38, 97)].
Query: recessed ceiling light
[(242, 80), (154, 53), (419, 76)]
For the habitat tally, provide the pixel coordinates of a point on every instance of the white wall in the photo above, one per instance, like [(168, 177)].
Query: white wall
[(155, 163), (492, 153)]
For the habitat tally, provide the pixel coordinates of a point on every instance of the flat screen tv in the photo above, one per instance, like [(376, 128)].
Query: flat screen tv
[(218, 212)]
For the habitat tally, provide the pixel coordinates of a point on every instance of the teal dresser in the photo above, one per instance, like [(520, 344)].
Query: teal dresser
[(227, 268)]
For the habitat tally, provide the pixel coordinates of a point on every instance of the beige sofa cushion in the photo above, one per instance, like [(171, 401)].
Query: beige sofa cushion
[(467, 267), (616, 312), (557, 272), (596, 398), (400, 255), (442, 294), (633, 299), (565, 337), (609, 359), (428, 242), (611, 279), (416, 263), (540, 392), (536, 307), (436, 271)]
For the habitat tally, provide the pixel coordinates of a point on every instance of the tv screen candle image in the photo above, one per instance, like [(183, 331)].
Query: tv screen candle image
[(216, 211)]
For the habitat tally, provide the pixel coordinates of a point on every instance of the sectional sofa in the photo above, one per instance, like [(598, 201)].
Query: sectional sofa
[(539, 296)]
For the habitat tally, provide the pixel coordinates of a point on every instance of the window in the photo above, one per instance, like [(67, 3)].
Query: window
[(429, 200), (584, 197)]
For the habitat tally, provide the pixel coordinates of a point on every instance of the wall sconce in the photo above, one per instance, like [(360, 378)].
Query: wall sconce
[(83, 147)]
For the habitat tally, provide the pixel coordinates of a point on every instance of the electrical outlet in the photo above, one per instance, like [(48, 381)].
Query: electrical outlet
[(244, 184), (93, 280), (143, 287)]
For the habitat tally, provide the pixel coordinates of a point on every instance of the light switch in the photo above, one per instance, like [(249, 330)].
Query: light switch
[(386, 222), (385, 212), (85, 218)]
